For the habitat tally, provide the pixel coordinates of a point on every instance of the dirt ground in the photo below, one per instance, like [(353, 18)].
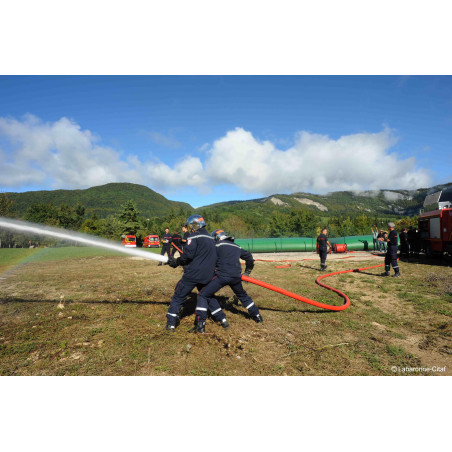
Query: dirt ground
[(106, 316)]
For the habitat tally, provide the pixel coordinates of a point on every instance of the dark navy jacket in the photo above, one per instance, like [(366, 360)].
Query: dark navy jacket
[(199, 257), (393, 240), (228, 259), (321, 242), (168, 237)]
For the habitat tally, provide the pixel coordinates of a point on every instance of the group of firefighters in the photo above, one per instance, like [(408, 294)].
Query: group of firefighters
[(212, 261), (390, 240)]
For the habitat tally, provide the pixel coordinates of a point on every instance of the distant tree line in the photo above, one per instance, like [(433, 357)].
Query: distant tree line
[(241, 224)]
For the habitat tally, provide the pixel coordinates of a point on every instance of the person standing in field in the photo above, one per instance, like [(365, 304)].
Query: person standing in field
[(375, 236), (322, 248), (391, 254), (184, 237), (166, 244), (176, 242)]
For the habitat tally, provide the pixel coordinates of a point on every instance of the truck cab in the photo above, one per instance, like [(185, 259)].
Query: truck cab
[(435, 226), (151, 241), (129, 241)]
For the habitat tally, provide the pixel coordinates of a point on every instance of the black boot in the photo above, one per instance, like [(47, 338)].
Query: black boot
[(225, 324), (396, 274), (257, 318), (200, 327), (384, 274), (169, 327)]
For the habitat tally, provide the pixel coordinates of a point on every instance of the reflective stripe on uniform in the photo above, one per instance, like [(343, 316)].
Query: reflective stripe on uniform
[(174, 315), (249, 306), (214, 312), (230, 244), (201, 309)]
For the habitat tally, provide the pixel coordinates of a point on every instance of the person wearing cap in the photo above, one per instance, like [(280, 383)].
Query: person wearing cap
[(391, 254)]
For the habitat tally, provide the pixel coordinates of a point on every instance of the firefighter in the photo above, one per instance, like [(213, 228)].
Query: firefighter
[(184, 237), (175, 240), (198, 260), (322, 244), (404, 245), (391, 254), (411, 239), (166, 244), (228, 273)]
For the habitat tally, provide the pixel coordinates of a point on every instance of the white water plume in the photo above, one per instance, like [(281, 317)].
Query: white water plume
[(24, 226)]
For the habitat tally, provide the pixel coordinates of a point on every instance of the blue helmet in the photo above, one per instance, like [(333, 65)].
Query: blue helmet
[(195, 222)]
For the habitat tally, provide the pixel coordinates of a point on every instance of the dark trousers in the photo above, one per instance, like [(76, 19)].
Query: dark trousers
[(174, 250), (166, 248), (322, 254), (182, 291), (206, 300), (391, 259)]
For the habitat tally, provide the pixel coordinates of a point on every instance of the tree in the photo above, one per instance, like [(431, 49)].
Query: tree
[(128, 218), (6, 205)]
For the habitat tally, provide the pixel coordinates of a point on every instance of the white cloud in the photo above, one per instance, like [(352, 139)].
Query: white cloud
[(62, 155), (315, 163), (59, 154)]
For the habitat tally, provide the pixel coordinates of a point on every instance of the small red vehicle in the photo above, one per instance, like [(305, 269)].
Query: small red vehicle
[(151, 241), (129, 241)]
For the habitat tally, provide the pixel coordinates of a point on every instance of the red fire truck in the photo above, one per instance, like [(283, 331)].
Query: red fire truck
[(435, 226), (151, 241), (129, 241)]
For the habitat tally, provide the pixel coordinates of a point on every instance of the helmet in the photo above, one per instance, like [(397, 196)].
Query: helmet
[(195, 222), (219, 235)]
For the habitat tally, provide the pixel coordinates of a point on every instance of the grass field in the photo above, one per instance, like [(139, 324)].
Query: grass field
[(84, 311)]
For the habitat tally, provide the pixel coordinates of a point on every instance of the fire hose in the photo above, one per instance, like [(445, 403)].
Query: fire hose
[(308, 300), (304, 299)]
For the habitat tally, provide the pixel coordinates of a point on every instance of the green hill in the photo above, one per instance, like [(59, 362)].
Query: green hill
[(107, 199), (382, 203), (103, 200)]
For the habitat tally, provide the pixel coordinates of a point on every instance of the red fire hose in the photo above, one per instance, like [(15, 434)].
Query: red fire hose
[(304, 299), (308, 300)]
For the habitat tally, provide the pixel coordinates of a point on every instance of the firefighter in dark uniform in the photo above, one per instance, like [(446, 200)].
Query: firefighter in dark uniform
[(228, 273), (404, 245), (184, 237), (198, 260), (322, 244), (411, 239), (166, 244), (391, 254), (175, 240)]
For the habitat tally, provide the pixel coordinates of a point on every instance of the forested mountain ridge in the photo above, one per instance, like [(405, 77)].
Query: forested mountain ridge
[(102, 200)]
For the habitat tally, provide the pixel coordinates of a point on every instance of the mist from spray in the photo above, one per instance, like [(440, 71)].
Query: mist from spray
[(25, 226)]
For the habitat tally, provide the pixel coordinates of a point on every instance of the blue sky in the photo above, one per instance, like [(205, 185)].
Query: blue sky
[(206, 139)]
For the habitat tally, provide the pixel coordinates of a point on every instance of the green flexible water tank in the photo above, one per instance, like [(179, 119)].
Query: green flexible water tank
[(287, 244)]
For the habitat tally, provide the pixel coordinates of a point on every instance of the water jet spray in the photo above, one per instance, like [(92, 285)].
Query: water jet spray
[(25, 226)]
